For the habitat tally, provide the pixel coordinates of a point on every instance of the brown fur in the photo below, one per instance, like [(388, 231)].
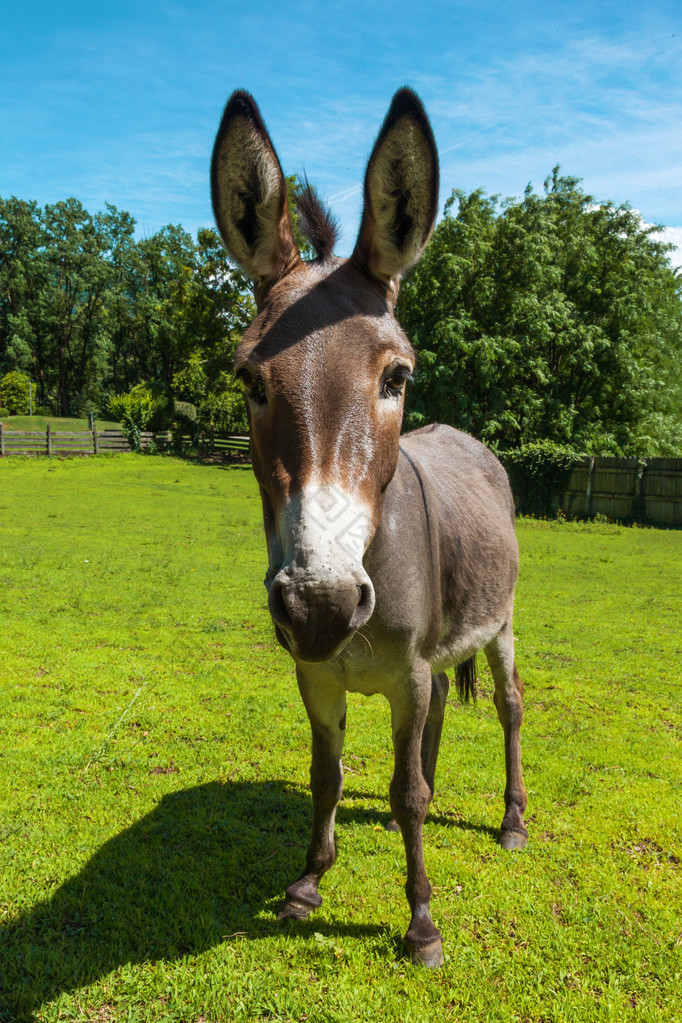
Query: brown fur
[(390, 558)]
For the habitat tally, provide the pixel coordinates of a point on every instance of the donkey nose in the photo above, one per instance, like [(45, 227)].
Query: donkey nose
[(317, 615)]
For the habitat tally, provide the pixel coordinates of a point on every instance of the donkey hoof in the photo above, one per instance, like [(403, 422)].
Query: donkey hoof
[(294, 911), (430, 956), (514, 839), (393, 825)]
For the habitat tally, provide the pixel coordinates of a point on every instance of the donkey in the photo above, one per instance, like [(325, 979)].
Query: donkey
[(390, 558)]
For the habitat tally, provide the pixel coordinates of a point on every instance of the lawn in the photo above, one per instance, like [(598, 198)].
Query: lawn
[(154, 761), (57, 423)]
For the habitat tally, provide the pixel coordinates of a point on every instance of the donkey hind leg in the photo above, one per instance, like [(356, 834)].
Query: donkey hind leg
[(410, 797), (327, 714), (433, 727), (509, 705)]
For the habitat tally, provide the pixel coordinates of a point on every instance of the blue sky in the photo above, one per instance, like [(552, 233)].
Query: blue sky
[(119, 102)]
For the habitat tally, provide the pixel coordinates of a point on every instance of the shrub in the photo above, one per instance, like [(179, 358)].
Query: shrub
[(162, 403), (5, 413), (42, 410), (14, 393), (225, 412), (133, 411), (537, 472), (185, 420)]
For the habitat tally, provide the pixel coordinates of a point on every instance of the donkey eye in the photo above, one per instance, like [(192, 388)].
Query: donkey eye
[(253, 386), (394, 381)]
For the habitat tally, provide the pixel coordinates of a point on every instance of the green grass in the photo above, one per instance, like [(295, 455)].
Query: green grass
[(154, 762), (58, 423)]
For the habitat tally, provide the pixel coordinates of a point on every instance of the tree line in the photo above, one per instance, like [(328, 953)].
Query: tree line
[(552, 318), (88, 311)]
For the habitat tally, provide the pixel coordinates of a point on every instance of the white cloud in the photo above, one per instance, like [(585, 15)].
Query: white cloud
[(672, 236)]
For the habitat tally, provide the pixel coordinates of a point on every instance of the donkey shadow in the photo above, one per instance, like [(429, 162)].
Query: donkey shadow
[(205, 864)]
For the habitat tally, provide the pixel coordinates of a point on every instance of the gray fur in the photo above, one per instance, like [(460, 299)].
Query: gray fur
[(391, 559)]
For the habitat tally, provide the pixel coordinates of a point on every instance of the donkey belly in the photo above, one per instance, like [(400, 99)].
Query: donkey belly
[(456, 646)]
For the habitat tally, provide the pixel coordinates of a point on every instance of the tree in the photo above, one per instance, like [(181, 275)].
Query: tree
[(90, 312), (552, 317), (23, 276), (218, 309)]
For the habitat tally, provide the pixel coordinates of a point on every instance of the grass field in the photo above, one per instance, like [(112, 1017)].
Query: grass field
[(60, 424), (153, 778)]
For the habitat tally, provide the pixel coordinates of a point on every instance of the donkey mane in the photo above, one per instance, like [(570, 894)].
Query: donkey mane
[(319, 226)]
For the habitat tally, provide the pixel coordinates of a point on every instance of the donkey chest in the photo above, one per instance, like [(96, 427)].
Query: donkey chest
[(360, 668)]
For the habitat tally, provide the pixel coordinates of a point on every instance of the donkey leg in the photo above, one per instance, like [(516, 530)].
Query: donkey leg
[(327, 714), (433, 727), (410, 798), (509, 705)]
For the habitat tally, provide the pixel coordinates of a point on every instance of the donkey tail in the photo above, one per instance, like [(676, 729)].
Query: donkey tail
[(465, 677)]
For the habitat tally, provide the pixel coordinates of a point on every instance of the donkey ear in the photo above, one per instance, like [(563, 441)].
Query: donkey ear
[(249, 194), (401, 191)]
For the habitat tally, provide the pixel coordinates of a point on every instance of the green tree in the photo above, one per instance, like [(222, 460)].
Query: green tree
[(552, 317), (74, 300), (218, 308), (23, 277)]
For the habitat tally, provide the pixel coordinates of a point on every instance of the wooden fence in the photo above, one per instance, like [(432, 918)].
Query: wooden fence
[(94, 442), (58, 442), (643, 490), (205, 443)]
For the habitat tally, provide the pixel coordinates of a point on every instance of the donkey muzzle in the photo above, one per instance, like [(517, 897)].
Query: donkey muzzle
[(319, 617)]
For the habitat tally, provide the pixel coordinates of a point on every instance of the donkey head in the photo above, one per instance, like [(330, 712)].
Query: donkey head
[(324, 363)]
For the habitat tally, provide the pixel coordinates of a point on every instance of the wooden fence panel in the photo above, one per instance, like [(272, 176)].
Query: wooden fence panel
[(625, 488), (53, 442)]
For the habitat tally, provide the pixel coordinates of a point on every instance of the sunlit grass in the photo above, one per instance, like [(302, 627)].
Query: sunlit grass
[(60, 424), (154, 762)]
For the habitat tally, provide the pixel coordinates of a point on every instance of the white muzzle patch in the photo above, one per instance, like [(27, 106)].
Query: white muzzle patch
[(324, 532)]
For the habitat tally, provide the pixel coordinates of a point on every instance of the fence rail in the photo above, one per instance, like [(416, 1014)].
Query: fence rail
[(93, 442)]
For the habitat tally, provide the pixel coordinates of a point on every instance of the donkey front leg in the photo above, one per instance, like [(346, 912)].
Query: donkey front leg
[(327, 714), (509, 705), (410, 798)]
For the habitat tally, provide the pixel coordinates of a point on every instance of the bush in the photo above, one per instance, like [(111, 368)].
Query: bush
[(134, 412), (162, 403), (185, 420), (14, 393), (537, 472), (225, 412), (5, 413), (42, 410)]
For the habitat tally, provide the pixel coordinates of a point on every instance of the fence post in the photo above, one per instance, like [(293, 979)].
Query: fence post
[(95, 443), (588, 495), (48, 439), (2, 441), (638, 501)]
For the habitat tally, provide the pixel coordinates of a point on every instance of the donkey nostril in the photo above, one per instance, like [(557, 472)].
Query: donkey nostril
[(364, 607), (278, 604)]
